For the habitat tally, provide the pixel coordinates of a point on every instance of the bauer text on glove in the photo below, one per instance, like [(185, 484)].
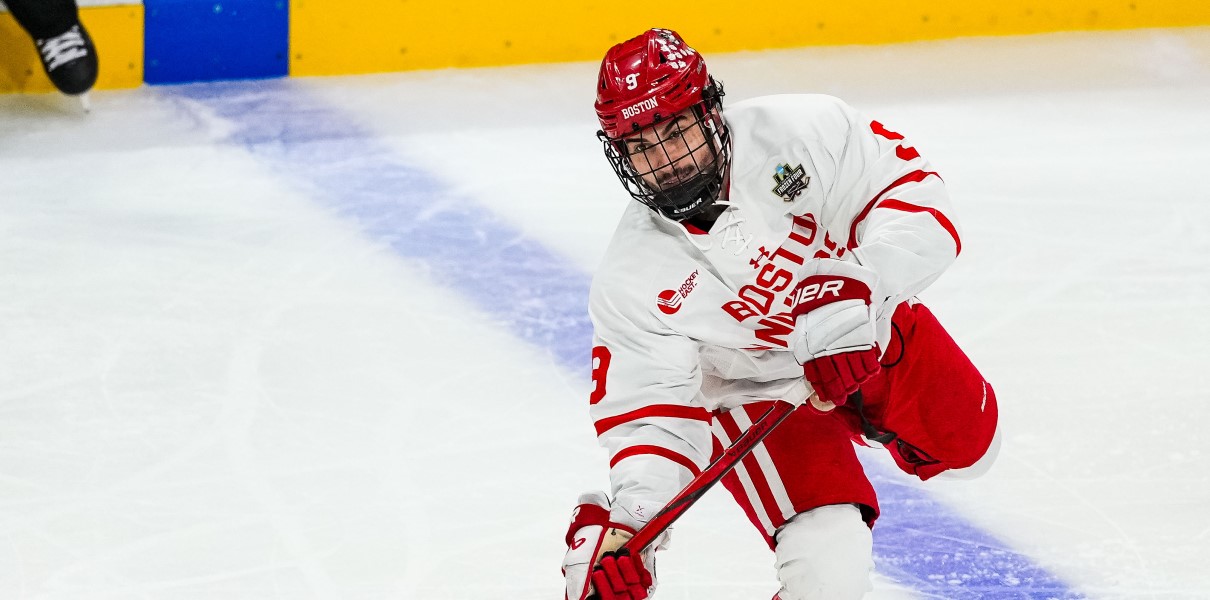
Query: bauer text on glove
[(834, 330)]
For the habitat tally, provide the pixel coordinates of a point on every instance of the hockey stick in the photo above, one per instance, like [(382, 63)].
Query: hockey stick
[(707, 478)]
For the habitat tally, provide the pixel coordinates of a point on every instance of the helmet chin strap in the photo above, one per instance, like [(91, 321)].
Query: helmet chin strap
[(687, 199)]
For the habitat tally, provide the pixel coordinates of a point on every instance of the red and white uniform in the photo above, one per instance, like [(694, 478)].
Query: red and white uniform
[(691, 324)]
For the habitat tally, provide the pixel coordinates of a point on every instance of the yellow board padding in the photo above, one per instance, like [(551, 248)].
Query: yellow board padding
[(361, 36), (117, 32)]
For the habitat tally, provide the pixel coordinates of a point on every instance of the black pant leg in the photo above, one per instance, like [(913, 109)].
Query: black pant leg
[(44, 18)]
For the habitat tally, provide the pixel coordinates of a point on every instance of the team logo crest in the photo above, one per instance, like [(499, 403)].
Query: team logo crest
[(791, 181), (669, 301)]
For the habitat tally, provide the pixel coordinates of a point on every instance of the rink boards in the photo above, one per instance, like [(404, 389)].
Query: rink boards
[(173, 41)]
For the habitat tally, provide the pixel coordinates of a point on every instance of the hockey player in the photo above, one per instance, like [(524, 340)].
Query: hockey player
[(67, 52), (773, 254)]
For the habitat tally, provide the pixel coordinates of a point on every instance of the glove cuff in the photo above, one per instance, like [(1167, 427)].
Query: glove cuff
[(820, 290), (594, 509)]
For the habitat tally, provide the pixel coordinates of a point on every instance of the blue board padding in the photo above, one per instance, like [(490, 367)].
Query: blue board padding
[(192, 40), (543, 299)]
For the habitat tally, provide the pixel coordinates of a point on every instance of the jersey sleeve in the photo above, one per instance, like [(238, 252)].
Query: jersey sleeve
[(646, 380), (900, 219)]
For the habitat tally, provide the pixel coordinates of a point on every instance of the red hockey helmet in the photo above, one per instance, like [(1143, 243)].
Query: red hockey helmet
[(646, 81)]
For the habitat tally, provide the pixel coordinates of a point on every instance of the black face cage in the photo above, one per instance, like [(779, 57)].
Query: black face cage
[(683, 187)]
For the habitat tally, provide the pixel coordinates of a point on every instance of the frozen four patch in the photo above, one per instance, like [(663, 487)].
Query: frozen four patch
[(790, 181)]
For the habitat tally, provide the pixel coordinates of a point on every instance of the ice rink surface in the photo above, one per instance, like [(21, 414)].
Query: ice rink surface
[(326, 338)]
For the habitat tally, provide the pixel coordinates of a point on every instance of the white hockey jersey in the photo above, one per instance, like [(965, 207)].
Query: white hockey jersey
[(689, 322)]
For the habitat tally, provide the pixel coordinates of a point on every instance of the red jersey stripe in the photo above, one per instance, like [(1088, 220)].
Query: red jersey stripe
[(941, 219), (674, 411), (913, 177), (660, 451)]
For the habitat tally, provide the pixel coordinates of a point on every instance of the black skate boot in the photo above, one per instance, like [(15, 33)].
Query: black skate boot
[(70, 60)]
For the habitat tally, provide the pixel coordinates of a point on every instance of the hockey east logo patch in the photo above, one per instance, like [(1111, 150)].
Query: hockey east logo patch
[(790, 181), (669, 301)]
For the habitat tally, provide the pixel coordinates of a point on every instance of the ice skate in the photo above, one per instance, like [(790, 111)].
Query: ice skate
[(70, 60)]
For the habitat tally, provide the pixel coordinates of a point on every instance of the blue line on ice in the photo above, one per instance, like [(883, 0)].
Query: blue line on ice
[(541, 298)]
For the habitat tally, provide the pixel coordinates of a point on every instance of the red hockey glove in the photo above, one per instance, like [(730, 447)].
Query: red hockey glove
[(592, 560), (619, 576), (834, 332)]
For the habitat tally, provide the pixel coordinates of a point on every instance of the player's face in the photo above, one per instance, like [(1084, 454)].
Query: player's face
[(672, 152)]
